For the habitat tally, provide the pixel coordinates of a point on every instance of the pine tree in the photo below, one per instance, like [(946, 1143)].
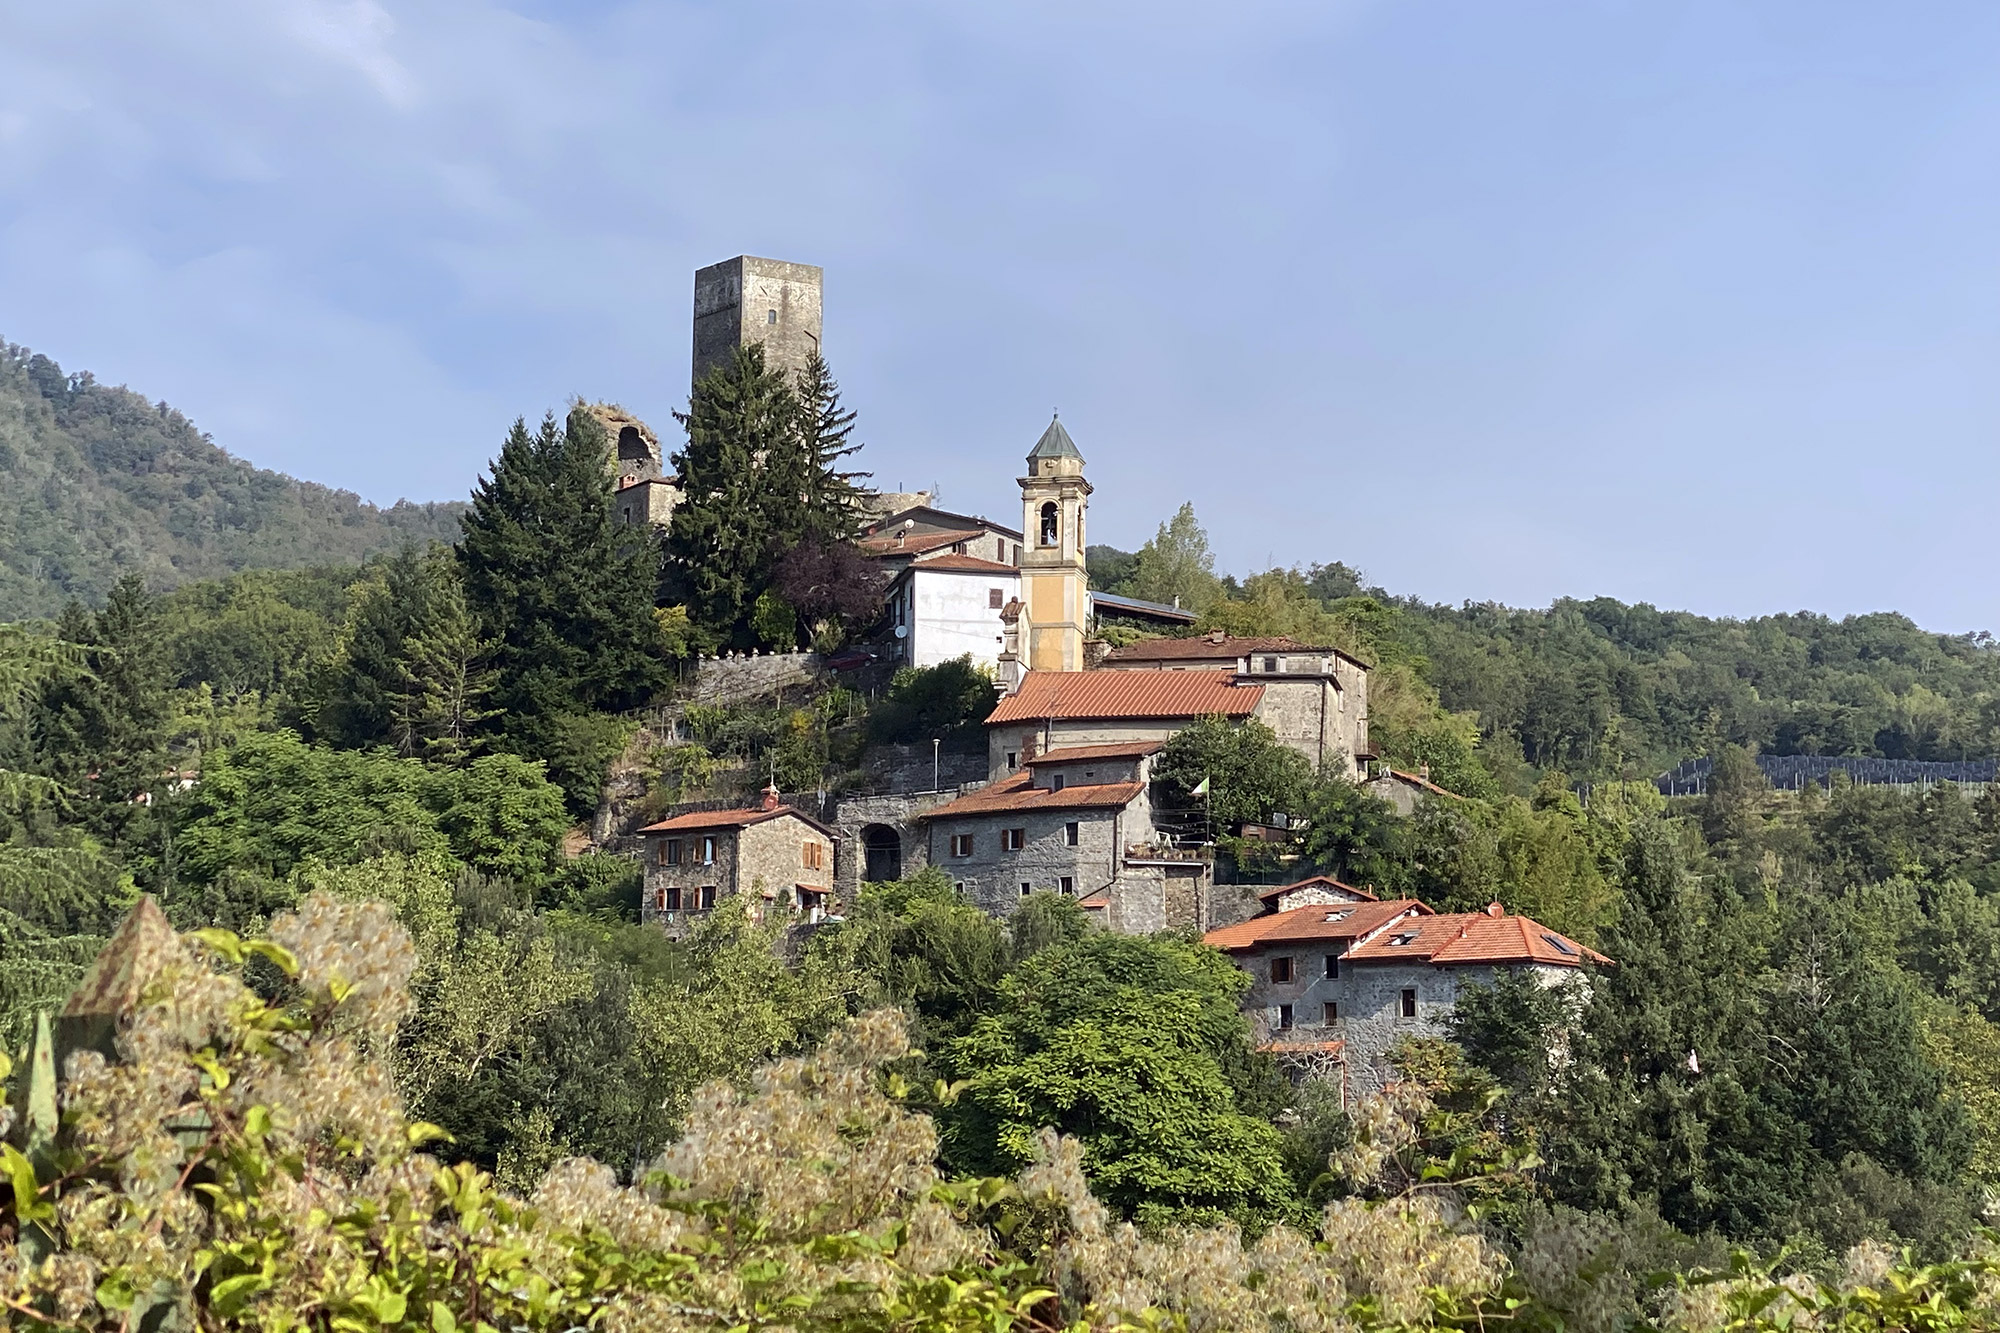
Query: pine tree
[(443, 675), (101, 726), (564, 592), (741, 462), (832, 499), (760, 477)]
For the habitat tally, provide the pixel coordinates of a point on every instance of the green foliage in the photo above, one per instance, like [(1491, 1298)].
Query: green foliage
[(948, 700), (101, 485), (409, 670), (274, 802), (1250, 775), (1136, 1047), (564, 593), (760, 476), (1176, 567)]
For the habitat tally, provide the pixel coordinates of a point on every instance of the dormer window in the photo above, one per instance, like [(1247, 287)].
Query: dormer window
[(1051, 524)]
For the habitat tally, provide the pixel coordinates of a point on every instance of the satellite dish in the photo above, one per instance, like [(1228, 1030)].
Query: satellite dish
[(902, 631)]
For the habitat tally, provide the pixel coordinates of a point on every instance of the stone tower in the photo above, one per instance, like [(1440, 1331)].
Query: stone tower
[(1055, 592), (746, 300)]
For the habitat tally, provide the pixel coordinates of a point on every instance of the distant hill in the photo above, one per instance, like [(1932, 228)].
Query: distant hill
[(96, 482)]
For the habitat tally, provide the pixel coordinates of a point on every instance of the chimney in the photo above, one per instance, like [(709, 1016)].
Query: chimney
[(1424, 772), (1030, 743), (771, 797), (1495, 909), (1217, 636)]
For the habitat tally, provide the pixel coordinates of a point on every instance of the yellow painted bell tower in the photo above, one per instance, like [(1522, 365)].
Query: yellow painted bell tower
[(1055, 591)]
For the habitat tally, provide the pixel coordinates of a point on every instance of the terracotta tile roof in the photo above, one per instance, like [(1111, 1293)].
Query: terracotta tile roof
[(1301, 1047), (1423, 784), (1073, 754), (895, 543), (964, 564), (1108, 695), (1320, 921), (698, 820), (1459, 939), (1327, 880), (1018, 793), (1206, 647), (1096, 902)]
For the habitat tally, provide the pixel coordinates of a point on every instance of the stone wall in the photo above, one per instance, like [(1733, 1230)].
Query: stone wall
[(1368, 999), (1309, 715), (991, 877), (854, 816), (747, 677), (907, 769), (771, 859)]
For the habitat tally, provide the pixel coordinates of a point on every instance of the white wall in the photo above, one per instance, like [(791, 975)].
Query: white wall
[(955, 616)]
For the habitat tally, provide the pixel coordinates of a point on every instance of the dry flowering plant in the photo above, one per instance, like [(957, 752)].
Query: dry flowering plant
[(223, 1156)]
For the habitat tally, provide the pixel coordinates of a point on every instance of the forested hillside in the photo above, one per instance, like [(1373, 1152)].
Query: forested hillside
[(1601, 689), (97, 483)]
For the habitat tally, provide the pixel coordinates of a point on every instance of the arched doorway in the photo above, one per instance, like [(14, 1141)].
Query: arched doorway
[(881, 854)]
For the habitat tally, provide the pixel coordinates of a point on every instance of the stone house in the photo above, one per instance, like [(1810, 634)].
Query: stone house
[(1404, 792), (1075, 820), (781, 858), (1315, 698), (1337, 981), (1060, 709)]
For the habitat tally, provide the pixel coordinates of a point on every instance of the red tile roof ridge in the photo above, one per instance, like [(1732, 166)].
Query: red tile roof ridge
[(954, 563), (1311, 923), (1301, 1047), (1017, 792), (1470, 938), (695, 820), (1425, 783), (1274, 891), (1072, 754), (1107, 695)]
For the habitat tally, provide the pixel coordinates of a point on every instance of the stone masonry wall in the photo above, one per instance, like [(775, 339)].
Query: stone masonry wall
[(771, 859), (740, 678), (854, 815), (992, 877)]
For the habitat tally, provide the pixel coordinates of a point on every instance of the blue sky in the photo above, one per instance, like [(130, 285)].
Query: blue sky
[(1693, 303)]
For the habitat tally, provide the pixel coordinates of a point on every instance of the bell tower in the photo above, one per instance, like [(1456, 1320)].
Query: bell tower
[(1055, 591)]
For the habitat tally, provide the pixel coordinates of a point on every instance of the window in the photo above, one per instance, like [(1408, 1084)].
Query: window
[(1329, 1014), (961, 844), (1067, 885), (1013, 839), (1072, 833), (958, 548), (1013, 760), (1282, 969), (708, 897), (1407, 937), (670, 852), (996, 598), (770, 317), (1027, 889), (1051, 525), (1333, 965), (1270, 664), (1284, 1017), (813, 856), (1409, 1002), (670, 898), (1561, 945), (708, 851), (1057, 782)]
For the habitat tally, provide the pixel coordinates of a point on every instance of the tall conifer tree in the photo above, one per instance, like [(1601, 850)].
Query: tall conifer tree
[(565, 594), (832, 499)]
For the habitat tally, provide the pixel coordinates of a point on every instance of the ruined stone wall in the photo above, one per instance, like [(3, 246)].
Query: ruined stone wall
[(746, 677)]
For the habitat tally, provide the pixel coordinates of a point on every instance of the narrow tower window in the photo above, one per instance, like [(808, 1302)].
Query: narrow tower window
[(770, 317), (1049, 523)]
